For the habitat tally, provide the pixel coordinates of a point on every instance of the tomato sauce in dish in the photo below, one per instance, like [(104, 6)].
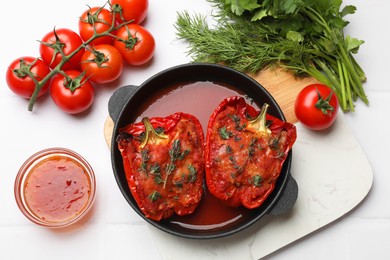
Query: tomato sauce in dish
[(55, 187), (199, 99)]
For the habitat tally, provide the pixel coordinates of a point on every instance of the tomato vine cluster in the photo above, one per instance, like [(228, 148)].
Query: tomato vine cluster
[(71, 64)]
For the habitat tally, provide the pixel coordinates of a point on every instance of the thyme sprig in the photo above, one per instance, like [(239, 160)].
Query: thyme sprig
[(154, 196), (175, 154)]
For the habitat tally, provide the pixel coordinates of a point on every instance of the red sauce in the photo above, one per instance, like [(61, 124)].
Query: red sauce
[(199, 99), (57, 189)]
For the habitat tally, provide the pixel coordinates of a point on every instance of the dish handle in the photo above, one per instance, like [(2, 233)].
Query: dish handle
[(287, 199), (118, 100)]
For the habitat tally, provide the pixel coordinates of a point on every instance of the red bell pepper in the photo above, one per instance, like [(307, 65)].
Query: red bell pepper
[(164, 164), (245, 151)]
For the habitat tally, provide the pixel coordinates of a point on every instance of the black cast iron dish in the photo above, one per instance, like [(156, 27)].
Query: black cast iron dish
[(127, 99)]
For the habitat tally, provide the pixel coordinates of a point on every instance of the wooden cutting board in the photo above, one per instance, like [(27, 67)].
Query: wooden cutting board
[(283, 86)]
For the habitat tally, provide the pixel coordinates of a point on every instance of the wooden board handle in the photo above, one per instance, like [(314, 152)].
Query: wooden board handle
[(284, 87)]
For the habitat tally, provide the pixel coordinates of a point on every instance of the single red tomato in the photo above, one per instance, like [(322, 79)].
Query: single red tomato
[(19, 74), (102, 64), (96, 19), (72, 93), (316, 106), (135, 43), (61, 39), (136, 10)]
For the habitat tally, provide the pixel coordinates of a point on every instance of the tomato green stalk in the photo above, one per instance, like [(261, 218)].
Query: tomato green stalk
[(94, 18), (323, 104), (25, 70), (130, 42), (99, 59), (117, 8), (66, 58), (73, 84)]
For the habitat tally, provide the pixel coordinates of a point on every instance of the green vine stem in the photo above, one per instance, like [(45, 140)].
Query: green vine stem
[(65, 58)]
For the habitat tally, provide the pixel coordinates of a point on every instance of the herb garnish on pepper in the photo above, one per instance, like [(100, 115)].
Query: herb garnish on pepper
[(164, 164), (245, 151)]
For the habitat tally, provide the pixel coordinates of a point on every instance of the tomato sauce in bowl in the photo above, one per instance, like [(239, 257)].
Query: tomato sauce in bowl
[(55, 187)]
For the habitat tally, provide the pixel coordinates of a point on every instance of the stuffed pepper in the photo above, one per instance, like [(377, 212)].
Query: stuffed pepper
[(163, 160), (245, 151)]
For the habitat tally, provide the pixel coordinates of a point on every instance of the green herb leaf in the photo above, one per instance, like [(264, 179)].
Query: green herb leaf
[(192, 175), (291, 6), (178, 184), (154, 196), (353, 44), (260, 14), (238, 7), (175, 153), (251, 148), (224, 133), (295, 36), (256, 180), (229, 149), (155, 169), (348, 9), (158, 180), (144, 160), (169, 169)]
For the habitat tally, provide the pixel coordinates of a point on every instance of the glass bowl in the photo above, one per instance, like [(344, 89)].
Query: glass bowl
[(55, 187)]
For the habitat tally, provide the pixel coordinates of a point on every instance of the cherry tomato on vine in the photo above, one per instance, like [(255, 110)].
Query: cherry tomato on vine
[(102, 63), (19, 79), (96, 19), (316, 106), (72, 94), (61, 39), (135, 43), (136, 10)]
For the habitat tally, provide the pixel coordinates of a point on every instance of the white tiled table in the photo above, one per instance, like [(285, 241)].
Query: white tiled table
[(112, 230)]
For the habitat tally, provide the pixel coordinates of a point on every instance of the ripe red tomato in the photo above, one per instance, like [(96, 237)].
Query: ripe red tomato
[(20, 82), (316, 106), (68, 41), (135, 43), (96, 19), (136, 10), (72, 94), (102, 64)]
